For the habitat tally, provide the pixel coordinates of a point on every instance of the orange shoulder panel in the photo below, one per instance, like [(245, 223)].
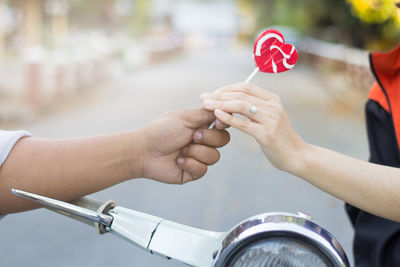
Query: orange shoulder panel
[(376, 94), (386, 67)]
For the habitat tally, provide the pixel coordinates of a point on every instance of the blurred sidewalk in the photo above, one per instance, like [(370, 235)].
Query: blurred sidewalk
[(40, 79)]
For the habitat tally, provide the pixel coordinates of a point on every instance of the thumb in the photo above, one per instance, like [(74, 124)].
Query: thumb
[(196, 118)]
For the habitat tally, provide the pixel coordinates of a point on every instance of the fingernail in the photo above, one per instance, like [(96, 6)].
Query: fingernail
[(185, 150), (208, 103), (197, 136), (180, 161), (205, 95)]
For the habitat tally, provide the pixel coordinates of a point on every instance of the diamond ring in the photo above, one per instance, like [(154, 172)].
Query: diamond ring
[(253, 109)]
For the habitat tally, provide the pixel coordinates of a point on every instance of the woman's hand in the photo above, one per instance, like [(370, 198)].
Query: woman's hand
[(269, 125), (178, 147)]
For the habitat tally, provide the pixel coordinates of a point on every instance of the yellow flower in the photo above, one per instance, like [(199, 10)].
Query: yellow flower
[(374, 11)]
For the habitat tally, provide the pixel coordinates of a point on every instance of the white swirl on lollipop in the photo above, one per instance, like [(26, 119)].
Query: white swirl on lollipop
[(265, 38)]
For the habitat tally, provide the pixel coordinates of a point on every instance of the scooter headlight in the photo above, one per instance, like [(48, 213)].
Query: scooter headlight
[(280, 251), (280, 239)]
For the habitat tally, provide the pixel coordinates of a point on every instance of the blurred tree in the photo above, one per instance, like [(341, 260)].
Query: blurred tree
[(87, 14), (140, 17), (373, 11), (381, 13), (129, 15), (335, 20), (32, 22), (247, 21), (58, 12)]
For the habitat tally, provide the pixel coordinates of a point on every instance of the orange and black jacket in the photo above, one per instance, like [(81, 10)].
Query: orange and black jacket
[(377, 240)]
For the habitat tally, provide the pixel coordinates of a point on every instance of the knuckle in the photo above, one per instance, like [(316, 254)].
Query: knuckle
[(186, 164), (223, 138), (243, 106), (227, 137), (247, 88), (280, 114), (277, 107), (185, 151), (221, 105), (274, 122), (192, 150), (229, 120), (242, 96), (277, 98), (275, 116), (252, 88), (216, 158), (202, 171), (241, 124), (270, 136)]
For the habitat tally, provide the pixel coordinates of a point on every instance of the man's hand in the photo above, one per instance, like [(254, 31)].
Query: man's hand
[(177, 147)]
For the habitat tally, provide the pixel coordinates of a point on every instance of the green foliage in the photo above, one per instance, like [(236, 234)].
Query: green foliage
[(373, 11), (330, 20)]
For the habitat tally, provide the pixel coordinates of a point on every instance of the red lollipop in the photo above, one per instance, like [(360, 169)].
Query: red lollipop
[(272, 55)]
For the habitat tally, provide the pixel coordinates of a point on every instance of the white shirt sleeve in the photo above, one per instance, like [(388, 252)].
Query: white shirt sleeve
[(7, 142)]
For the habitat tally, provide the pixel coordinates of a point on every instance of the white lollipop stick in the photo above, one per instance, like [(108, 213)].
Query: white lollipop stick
[(255, 71)]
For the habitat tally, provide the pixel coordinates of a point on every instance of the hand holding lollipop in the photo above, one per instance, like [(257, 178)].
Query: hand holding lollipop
[(266, 119), (271, 55)]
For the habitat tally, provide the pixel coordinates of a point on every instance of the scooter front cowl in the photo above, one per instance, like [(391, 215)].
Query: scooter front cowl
[(270, 239)]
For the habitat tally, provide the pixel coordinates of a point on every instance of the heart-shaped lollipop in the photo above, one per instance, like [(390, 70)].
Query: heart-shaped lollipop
[(272, 55)]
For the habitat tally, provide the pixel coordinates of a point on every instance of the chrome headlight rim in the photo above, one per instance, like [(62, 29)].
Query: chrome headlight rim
[(277, 225)]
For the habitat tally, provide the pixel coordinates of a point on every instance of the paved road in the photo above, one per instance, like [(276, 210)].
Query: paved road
[(241, 185)]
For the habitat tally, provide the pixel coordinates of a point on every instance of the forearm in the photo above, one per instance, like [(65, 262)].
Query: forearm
[(370, 187), (68, 169)]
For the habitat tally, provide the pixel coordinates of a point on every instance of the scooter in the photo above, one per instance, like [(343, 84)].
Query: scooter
[(269, 239)]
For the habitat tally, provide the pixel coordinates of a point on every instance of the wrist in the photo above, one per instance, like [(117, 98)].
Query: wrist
[(135, 153), (302, 160)]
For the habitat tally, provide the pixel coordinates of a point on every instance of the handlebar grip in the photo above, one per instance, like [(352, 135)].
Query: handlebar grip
[(91, 204)]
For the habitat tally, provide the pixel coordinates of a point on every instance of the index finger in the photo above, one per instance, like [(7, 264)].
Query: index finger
[(213, 138), (196, 118), (248, 88)]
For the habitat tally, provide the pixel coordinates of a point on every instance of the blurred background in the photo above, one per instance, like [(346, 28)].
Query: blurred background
[(72, 68)]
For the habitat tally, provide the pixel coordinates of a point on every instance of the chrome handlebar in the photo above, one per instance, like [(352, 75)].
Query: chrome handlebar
[(87, 210), (193, 246)]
